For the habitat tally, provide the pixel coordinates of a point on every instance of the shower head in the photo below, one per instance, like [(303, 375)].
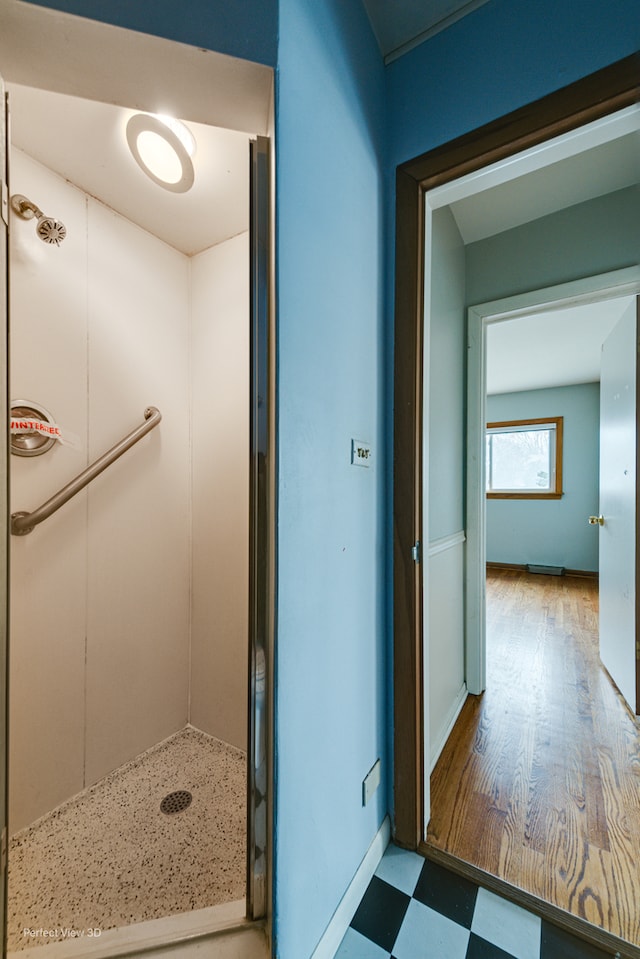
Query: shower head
[(48, 229), (51, 231)]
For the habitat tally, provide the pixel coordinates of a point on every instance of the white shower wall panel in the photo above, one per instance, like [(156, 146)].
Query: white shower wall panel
[(48, 349), (220, 417), (138, 551), (100, 591)]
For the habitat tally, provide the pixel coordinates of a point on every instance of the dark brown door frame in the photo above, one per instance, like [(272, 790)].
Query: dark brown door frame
[(597, 95)]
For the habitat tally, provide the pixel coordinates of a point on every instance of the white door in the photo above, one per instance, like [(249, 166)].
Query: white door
[(618, 445)]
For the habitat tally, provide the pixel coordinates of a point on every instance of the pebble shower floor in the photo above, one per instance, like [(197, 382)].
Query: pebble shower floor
[(109, 857)]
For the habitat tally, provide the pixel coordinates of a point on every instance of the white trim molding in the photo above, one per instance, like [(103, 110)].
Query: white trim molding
[(335, 931)]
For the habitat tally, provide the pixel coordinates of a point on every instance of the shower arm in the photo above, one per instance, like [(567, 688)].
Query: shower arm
[(23, 522)]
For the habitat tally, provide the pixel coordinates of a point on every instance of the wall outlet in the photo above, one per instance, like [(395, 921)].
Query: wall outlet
[(371, 782), (360, 453)]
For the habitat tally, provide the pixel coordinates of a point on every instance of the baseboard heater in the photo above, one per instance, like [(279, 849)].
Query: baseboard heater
[(547, 570)]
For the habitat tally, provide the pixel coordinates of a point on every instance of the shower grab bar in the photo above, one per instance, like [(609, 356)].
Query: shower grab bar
[(23, 522)]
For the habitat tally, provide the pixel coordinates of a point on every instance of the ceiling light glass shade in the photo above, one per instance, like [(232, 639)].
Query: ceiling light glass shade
[(161, 146)]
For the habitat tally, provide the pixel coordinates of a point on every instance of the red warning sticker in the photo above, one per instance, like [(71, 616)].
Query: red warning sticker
[(35, 426), (25, 424)]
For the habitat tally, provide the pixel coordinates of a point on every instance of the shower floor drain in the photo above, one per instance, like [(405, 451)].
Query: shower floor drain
[(176, 802)]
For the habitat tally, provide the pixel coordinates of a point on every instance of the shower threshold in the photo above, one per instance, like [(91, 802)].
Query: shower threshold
[(108, 873), (224, 926)]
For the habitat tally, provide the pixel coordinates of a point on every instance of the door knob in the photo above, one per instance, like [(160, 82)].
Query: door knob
[(596, 520)]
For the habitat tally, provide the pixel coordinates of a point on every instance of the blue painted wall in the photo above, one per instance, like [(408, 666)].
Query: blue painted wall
[(552, 532), (503, 55), (331, 682), (240, 28)]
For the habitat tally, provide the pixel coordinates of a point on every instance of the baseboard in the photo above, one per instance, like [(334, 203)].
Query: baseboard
[(460, 700), (584, 573), (521, 567), (335, 931)]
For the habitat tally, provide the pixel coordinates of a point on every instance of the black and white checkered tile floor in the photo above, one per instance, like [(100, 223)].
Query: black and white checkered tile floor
[(415, 909)]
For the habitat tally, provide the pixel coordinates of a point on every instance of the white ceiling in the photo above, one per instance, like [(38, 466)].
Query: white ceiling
[(558, 348), (595, 172), (402, 24), (84, 142), (53, 50)]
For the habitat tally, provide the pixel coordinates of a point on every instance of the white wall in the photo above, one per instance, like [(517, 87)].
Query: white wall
[(48, 578), (220, 417), (139, 511), (100, 607)]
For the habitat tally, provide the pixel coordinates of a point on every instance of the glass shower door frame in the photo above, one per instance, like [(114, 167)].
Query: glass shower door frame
[(261, 540), (4, 499)]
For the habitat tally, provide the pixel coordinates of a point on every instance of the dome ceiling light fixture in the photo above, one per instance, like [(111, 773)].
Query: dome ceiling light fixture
[(162, 147)]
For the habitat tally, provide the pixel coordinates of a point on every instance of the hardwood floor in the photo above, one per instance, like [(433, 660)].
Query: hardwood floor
[(539, 782)]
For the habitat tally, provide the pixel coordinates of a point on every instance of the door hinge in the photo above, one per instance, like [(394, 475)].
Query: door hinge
[(3, 850), (416, 552)]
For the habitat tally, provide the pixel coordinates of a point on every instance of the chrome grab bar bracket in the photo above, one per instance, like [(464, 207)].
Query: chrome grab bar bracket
[(16, 527), (23, 522)]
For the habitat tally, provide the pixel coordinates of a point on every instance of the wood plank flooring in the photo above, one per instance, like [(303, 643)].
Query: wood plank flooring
[(539, 782)]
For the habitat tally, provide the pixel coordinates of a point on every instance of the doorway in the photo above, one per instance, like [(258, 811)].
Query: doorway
[(590, 308), (561, 112), (520, 790), (123, 321)]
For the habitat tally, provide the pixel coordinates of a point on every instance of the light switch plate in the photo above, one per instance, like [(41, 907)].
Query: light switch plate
[(360, 453)]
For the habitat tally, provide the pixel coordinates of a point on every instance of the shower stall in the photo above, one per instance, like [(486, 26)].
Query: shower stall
[(129, 608)]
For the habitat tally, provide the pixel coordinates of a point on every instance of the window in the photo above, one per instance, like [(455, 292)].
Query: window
[(524, 459)]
